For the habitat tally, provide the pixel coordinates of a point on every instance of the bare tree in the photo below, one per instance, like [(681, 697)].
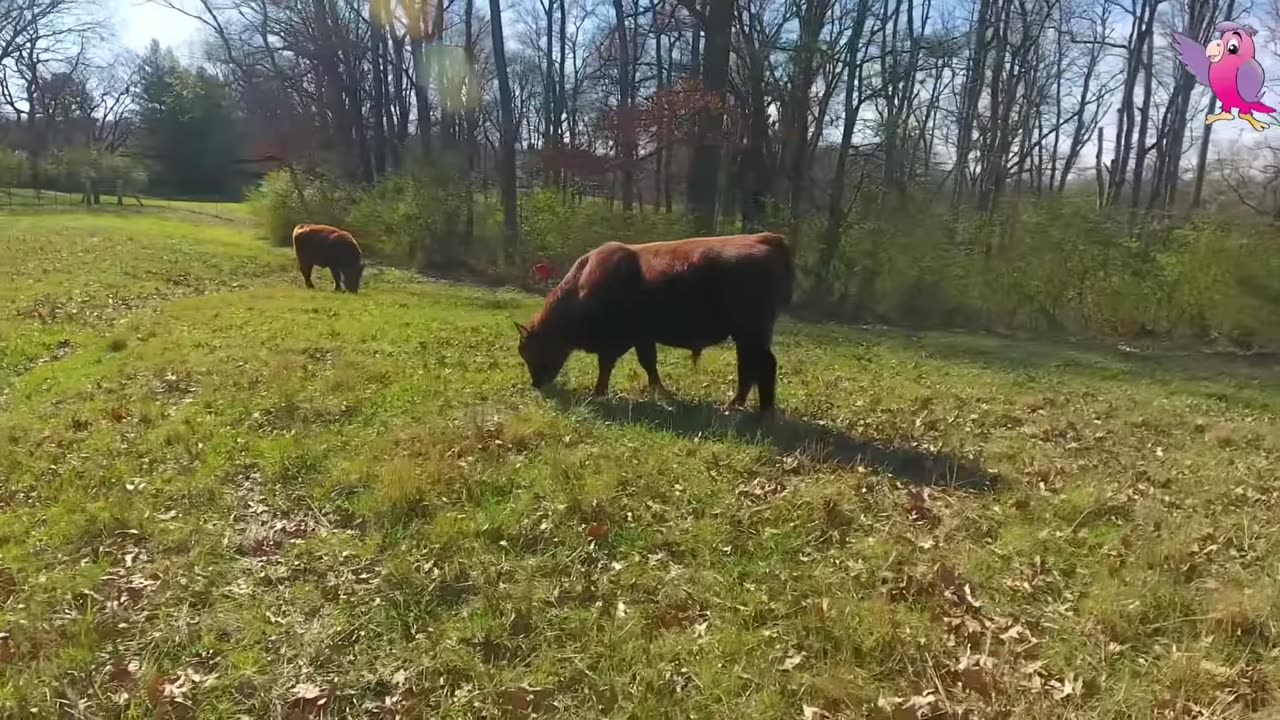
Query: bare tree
[(507, 153)]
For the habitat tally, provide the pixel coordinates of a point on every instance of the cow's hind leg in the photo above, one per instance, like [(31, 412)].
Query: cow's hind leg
[(337, 278), (305, 269), (607, 359), (768, 378), (647, 354)]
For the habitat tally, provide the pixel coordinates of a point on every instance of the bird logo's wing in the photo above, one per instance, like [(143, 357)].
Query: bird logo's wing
[(1191, 54), (1249, 80)]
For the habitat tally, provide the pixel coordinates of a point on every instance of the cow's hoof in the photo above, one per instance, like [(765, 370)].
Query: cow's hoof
[(660, 392)]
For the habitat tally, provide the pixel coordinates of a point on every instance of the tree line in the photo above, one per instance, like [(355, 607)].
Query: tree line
[(821, 118)]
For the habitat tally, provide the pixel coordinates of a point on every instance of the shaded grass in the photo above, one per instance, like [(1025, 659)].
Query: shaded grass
[(355, 502)]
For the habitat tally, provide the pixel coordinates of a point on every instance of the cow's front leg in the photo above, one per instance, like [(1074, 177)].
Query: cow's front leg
[(607, 359), (647, 354)]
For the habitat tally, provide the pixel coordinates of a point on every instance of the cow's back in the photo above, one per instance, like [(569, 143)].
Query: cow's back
[(736, 275), (688, 293), (325, 245)]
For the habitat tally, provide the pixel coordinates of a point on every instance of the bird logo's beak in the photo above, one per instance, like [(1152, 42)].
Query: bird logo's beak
[(1214, 51)]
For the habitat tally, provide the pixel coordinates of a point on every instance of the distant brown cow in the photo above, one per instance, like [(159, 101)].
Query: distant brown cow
[(330, 247), (689, 294)]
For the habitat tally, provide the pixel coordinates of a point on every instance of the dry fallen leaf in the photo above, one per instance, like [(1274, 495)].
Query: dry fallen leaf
[(1213, 668), (169, 696), (6, 649), (976, 680), (8, 585), (123, 673), (813, 713), (947, 577), (598, 530), (525, 700), (308, 701), (918, 507), (791, 662), (1066, 687)]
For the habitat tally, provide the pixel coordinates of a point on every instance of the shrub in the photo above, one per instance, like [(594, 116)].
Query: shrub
[(1053, 265), (559, 232), (279, 204)]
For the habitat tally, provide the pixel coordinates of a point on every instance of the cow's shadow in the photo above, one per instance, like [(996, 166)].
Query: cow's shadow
[(786, 435)]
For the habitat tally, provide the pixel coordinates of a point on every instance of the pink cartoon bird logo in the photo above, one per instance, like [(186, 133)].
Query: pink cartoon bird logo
[(1229, 68)]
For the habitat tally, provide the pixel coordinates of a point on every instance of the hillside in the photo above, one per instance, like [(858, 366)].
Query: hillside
[(225, 494)]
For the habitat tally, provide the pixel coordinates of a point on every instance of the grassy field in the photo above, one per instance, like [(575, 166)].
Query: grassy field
[(25, 199), (225, 496)]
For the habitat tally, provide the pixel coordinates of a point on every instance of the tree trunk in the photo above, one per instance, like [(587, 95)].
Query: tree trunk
[(1144, 123), (836, 213), (974, 74), (626, 118), (668, 169), (420, 91), (560, 94), (660, 131), (697, 9), (1202, 162), (507, 155), (704, 174), (470, 122), (549, 89), (378, 110), (756, 178), (1098, 167), (795, 121)]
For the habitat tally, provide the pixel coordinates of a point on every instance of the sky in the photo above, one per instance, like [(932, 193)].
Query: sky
[(138, 21)]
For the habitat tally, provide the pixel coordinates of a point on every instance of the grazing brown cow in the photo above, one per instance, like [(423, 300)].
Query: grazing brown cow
[(688, 294), (330, 247)]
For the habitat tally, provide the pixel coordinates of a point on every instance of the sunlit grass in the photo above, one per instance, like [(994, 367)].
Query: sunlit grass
[(266, 499)]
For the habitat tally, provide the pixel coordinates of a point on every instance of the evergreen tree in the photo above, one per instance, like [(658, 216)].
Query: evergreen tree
[(187, 127)]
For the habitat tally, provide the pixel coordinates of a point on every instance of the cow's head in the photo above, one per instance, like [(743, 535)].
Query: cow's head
[(351, 277), (542, 355)]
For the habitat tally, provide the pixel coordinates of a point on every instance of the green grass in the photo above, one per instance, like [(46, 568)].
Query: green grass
[(25, 199), (227, 493)]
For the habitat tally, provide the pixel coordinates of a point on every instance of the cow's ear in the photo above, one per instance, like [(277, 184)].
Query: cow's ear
[(524, 331)]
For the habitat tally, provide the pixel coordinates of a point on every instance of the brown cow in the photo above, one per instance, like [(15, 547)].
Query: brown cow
[(330, 247), (689, 294)]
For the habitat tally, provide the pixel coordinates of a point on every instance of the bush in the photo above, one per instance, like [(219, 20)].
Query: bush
[(1053, 265), (556, 231), (279, 204), (417, 219), (1059, 266), (13, 167)]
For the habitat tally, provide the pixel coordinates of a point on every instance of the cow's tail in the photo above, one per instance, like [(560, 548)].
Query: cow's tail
[(293, 241), (787, 281), (298, 229)]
